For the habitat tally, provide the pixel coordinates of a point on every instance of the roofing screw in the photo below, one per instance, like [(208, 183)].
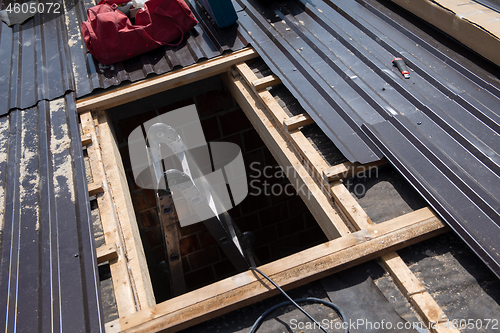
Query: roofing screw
[(295, 69), (419, 123), (76, 255)]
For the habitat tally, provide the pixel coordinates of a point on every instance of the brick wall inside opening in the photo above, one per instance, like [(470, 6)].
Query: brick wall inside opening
[(279, 219)]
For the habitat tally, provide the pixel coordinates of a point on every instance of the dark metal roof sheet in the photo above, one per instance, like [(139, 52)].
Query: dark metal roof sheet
[(45, 57), (205, 41), (34, 62), (440, 128), (48, 267)]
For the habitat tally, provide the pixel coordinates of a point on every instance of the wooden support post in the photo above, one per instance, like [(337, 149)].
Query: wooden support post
[(290, 272), (170, 229), (349, 206), (155, 85)]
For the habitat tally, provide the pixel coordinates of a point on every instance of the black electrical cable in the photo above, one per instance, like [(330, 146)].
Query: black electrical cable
[(294, 302)]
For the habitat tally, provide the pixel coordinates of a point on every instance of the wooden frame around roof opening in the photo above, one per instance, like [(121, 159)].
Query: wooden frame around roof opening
[(353, 238)]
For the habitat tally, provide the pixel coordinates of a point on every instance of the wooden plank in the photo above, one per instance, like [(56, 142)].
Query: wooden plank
[(295, 270), (311, 157), (122, 201), (265, 82), (119, 271), (106, 252), (411, 287), (407, 281), (95, 188), (297, 121), (170, 228), (155, 85), (313, 196), (430, 312), (349, 206), (349, 169), (86, 140), (246, 73)]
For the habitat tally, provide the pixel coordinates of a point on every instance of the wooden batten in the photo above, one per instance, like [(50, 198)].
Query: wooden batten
[(106, 252), (148, 87), (296, 122), (268, 81)]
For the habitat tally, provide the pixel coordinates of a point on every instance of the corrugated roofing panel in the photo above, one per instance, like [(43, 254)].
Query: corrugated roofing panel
[(440, 128), (205, 41), (34, 62), (48, 267), (45, 57)]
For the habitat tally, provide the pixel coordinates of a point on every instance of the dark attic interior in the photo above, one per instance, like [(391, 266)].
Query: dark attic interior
[(275, 214), (252, 166)]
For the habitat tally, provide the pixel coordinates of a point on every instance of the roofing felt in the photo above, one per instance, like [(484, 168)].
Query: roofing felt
[(440, 128), (45, 57), (48, 268)]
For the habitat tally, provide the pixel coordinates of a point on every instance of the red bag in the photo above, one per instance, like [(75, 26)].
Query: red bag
[(110, 36)]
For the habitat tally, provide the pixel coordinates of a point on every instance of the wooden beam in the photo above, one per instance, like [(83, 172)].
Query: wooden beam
[(297, 121), (155, 85), (349, 206), (122, 201), (106, 252), (95, 188), (313, 196), (86, 140), (169, 223), (295, 270), (411, 287), (265, 82)]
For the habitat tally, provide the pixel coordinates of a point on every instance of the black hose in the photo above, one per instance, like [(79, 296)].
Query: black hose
[(291, 301)]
